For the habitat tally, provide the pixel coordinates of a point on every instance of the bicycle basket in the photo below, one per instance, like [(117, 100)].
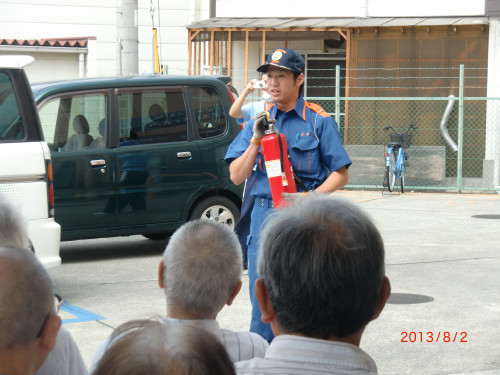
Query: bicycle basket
[(403, 139)]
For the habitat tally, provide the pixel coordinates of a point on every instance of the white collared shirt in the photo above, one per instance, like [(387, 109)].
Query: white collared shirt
[(65, 358), (289, 354), (240, 346)]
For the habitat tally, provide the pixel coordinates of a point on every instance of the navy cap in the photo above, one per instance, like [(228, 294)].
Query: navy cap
[(285, 58)]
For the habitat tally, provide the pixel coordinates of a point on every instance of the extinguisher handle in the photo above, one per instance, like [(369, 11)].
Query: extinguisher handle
[(260, 125)]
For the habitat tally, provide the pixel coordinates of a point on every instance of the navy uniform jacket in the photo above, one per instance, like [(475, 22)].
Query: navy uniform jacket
[(314, 146)]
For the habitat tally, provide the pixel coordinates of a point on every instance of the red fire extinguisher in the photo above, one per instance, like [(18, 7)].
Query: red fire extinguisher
[(278, 166)]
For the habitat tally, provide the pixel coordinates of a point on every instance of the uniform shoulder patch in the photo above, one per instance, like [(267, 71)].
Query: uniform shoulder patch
[(317, 108)]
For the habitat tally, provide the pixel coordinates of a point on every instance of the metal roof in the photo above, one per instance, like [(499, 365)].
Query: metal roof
[(407, 21), (293, 23)]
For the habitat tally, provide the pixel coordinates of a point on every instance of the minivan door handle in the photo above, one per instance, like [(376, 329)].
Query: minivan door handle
[(183, 155), (97, 163)]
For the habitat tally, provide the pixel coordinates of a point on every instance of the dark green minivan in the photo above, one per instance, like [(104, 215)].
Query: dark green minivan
[(139, 154)]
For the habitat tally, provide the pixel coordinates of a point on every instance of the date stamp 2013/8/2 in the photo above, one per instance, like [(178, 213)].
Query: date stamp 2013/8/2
[(431, 336)]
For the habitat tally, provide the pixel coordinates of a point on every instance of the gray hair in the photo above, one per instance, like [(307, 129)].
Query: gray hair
[(322, 262), (26, 295), (203, 264), (149, 347), (13, 231)]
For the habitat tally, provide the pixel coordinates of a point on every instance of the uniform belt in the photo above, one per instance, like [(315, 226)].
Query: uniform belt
[(264, 202)]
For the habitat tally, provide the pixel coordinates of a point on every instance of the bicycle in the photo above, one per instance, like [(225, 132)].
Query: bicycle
[(396, 159)]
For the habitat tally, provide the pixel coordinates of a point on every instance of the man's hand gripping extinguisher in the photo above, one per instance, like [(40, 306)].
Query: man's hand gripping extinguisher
[(278, 166)]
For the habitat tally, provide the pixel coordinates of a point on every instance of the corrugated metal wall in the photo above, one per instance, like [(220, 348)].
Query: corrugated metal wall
[(413, 50), (416, 62)]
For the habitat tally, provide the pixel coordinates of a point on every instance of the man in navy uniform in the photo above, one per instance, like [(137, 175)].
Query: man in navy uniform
[(314, 146)]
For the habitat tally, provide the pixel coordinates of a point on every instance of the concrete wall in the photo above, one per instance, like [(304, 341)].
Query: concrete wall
[(173, 17), (351, 8), (65, 64), (39, 19), (58, 19)]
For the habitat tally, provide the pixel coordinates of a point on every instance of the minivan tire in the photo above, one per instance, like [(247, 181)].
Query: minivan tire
[(220, 209)]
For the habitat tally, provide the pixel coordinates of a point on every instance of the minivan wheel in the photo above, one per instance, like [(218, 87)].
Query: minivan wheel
[(219, 209), (156, 236)]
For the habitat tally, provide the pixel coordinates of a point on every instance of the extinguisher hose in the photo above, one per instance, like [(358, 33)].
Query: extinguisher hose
[(281, 150), (299, 181)]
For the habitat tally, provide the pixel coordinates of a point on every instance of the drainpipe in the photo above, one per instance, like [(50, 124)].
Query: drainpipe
[(81, 65), (444, 122)]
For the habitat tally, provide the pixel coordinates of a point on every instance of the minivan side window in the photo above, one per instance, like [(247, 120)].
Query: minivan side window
[(11, 123), (209, 112), (74, 123), (152, 117)]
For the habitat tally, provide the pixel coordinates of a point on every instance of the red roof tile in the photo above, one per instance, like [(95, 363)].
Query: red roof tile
[(77, 42)]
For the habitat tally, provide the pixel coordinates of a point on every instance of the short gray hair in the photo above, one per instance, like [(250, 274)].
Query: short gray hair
[(149, 347), (203, 264), (26, 295), (322, 262), (13, 231)]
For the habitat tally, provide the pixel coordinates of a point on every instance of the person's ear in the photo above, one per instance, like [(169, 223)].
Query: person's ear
[(234, 293), (161, 274), (49, 333), (266, 307), (385, 292), (300, 79)]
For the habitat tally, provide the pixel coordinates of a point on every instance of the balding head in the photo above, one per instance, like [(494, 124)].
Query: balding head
[(26, 297), (202, 267)]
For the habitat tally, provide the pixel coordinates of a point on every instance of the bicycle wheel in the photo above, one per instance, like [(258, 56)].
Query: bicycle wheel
[(402, 184), (390, 169)]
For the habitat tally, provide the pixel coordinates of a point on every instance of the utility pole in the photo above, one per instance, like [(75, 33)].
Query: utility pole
[(128, 37), (212, 13)]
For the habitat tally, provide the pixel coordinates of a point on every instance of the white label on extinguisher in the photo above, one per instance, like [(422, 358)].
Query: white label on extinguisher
[(273, 168)]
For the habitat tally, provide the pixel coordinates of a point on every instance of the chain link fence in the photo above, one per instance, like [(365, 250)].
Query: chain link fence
[(456, 146), (433, 163)]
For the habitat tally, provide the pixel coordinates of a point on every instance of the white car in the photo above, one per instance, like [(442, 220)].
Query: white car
[(26, 168)]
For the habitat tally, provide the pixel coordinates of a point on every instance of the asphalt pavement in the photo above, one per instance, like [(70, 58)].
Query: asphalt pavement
[(442, 257)]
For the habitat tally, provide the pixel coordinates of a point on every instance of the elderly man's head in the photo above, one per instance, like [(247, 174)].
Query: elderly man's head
[(13, 231), (321, 269), (201, 270), (28, 323), (149, 347)]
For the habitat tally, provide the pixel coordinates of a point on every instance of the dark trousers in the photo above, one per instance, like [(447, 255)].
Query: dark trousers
[(242, 227)]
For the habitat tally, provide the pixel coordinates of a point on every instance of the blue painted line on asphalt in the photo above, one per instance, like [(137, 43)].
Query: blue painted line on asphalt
[(82, 315)]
